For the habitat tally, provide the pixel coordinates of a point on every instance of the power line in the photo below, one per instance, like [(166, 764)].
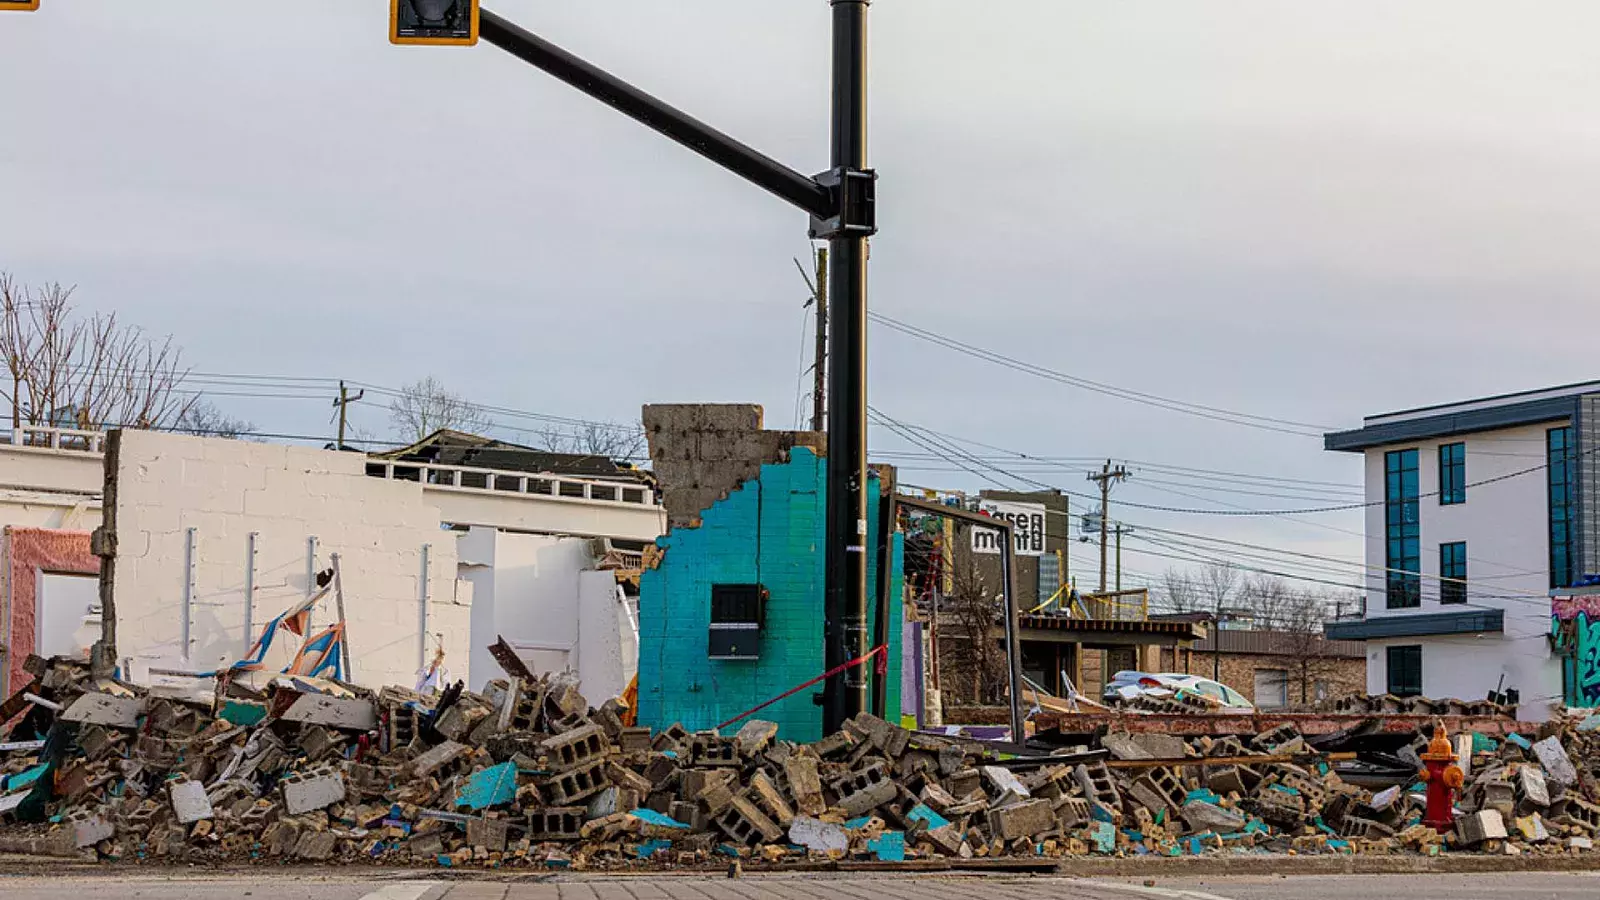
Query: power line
[(1234, 417)]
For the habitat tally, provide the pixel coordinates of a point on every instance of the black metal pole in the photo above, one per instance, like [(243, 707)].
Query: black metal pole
[(845, 599), (720, 148), (880, 602)]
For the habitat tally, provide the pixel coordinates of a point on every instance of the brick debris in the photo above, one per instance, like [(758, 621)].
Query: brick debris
[(527, 773)]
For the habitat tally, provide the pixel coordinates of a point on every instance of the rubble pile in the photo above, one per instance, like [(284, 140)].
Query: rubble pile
[(527, 773), (1392, 705)]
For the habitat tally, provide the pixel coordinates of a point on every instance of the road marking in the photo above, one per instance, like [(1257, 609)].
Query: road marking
[(1166, 893), (403, 890)]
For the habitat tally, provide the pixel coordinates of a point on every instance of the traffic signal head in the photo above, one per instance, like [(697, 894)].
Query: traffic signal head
[(437, 22), (18, 5)]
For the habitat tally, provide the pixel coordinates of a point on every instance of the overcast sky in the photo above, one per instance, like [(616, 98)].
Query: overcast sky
[(1306, 211)]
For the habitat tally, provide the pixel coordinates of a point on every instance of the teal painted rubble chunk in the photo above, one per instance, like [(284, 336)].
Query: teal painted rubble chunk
[(921, 813), (493, 786), (1204, 795), (1284, 789), (859, 822), (652, 817), (889, 846), (651, 848), (1104, 835), (243, 713), (1485, 744), (1520, 741), (1341, 846), (24, 778)]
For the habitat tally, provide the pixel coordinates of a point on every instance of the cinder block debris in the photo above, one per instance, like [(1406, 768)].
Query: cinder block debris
[(526, 773)]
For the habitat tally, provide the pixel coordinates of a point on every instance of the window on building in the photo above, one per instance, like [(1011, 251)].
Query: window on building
[(1403, 557), (1452, 474), (1562, 469), (1405, 671), (1272, 688), (1453, 572)]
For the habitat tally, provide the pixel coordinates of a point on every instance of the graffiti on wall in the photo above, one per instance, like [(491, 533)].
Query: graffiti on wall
[(1575, 627)]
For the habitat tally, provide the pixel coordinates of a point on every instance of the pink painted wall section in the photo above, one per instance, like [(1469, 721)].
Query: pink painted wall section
[(29, 551)]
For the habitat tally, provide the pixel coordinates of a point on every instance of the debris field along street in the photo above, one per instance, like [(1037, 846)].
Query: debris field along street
[(528, 775), (292, 886)]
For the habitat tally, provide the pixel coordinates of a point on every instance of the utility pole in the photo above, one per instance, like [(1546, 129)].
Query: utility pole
[(343, 403), (1105, 478), (819, 369), (842, 204)]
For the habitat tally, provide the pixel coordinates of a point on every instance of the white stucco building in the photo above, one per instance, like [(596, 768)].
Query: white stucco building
[(1476, 511), (446, 544)]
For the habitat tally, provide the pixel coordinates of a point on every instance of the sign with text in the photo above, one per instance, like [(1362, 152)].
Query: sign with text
[(1027, 527)]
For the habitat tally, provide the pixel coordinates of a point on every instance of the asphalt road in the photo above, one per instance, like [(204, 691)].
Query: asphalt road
[(181, 885)]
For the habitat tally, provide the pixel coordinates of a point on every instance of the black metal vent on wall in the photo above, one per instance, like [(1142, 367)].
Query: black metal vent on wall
[(738, 612)]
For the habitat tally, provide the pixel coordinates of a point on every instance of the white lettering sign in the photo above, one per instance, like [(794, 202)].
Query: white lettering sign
[(1027, 527)]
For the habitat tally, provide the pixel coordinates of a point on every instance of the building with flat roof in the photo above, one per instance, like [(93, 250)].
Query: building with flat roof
[(1476, 511)]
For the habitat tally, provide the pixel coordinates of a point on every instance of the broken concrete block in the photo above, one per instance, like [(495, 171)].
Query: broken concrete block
[(804, 784), (1557, 765), (308, 791), (770, 799), (868, 798), (818, 836), (1483, 825), (189, 802), (746, 824), (1023, 820), (1532, 829), (1531, 784), (1202, 816), (96, 708), (1004, 781), (754, 736), (490, 834), (1581, 842), (315, 845), (348, 713), (437, 758), (575, 748)]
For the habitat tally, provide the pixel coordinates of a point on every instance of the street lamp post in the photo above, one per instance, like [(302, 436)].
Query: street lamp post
[(842, 204)]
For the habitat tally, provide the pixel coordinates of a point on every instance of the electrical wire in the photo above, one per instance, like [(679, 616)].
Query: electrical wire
[(1234, 417)]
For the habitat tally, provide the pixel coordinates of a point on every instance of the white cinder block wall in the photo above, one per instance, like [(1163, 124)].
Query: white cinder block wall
[(227, 490)]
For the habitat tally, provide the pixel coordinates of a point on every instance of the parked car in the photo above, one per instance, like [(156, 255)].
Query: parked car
[(1129, 684)]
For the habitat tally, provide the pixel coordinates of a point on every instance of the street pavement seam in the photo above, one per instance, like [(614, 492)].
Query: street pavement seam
[(406, 890)]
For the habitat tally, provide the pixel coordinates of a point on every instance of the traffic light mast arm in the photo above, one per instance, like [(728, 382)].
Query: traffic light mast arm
[(733, 155)]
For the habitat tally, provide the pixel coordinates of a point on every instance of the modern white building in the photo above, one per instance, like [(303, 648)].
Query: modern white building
[(1476, 511)]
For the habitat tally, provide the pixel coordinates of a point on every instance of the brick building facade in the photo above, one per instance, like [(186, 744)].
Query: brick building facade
[(1275, 669)]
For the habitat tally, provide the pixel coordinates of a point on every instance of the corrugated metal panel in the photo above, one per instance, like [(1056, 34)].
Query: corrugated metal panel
[(1276, 643), (1587, 519), (1049, 577), (1419, 626), (1525, 413)]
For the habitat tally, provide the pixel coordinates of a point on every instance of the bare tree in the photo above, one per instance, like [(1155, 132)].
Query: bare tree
[(611, 440), (1218, 581), (89, 373), (1268, 598), (969, 650), (1183, 595), (206, 420), (425, 406), (1312, 660)]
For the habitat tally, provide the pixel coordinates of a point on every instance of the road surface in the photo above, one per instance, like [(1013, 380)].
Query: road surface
[(178, 884)]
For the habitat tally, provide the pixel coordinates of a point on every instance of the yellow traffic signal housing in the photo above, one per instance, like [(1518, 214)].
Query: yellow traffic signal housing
[(449, 23), (18, 5)]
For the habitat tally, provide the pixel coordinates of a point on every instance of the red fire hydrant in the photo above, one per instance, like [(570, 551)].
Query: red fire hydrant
[(1444, 778)]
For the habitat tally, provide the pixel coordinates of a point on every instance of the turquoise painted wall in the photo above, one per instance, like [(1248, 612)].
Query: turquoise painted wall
[(768, 531)]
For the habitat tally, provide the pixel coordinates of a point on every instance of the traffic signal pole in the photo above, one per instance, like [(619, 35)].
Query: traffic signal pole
[(842, 204)]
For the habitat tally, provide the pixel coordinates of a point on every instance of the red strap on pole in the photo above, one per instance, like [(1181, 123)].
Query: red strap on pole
[(881, 651)]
